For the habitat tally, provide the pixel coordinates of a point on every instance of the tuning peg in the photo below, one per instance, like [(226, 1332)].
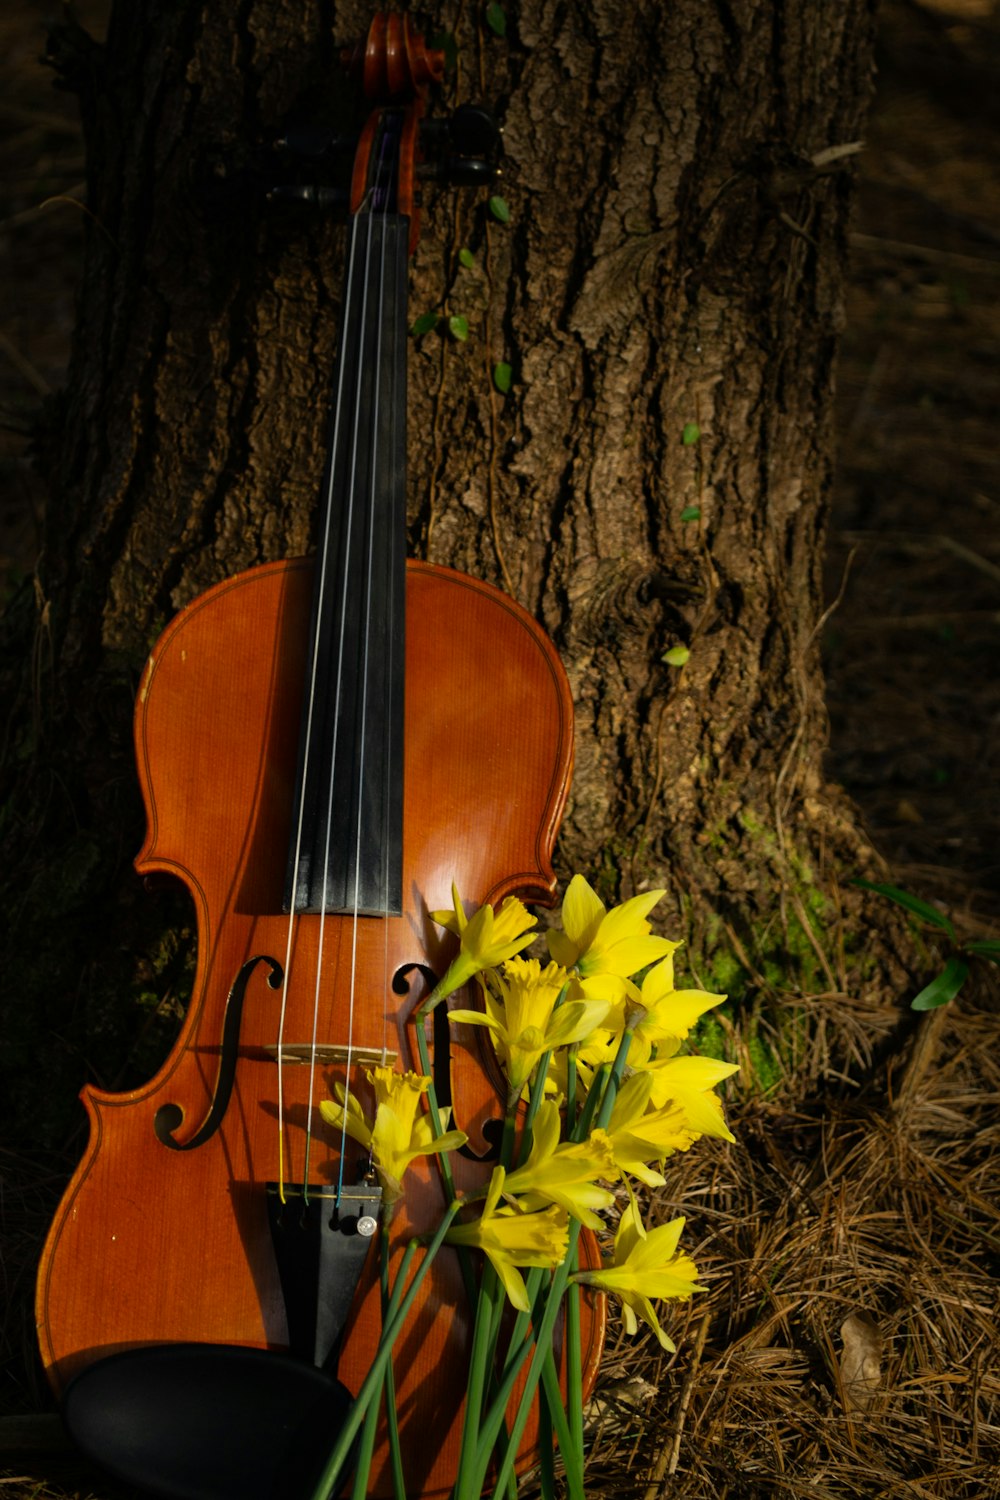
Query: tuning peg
[(314, 142), (309, 194), (460, 171), (474, 131)]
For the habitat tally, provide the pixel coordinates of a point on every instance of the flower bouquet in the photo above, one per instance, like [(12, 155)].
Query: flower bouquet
[(597, 1095)]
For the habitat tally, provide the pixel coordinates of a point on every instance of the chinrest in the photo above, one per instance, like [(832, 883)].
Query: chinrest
[(207, 1421)]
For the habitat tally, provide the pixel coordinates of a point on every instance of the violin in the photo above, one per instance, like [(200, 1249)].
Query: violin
[(324, 745)]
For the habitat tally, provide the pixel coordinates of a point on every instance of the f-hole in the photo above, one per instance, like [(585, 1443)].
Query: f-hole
[(169, 1116)]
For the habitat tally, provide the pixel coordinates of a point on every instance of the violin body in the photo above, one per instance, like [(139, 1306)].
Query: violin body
[(158, 1245)]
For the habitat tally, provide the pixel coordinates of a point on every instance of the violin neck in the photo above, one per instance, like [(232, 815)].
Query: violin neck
[(345, 852)]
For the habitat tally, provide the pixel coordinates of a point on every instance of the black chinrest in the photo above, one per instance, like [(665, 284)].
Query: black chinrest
[(208, 1421)]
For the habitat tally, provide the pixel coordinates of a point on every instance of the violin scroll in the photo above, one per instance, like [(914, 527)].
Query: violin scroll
[(393, 62)]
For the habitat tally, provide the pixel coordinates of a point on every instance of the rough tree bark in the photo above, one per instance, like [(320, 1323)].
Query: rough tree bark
[(668, 294)]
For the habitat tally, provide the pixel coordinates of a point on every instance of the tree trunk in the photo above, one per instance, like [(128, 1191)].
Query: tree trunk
[(667, 293)]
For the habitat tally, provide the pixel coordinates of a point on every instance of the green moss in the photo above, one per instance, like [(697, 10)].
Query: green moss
[(767, 1070)]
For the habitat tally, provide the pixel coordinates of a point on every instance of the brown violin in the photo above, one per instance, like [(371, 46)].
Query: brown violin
[(324, 745)]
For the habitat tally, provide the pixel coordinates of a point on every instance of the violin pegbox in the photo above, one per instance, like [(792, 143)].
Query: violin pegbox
[(313, 166)]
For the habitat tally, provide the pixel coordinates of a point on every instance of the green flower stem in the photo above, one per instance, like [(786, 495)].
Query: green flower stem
[(571, 1078), (392, 1422), (537, 1093), (509, 1133), (444, 1165), (365, 1451), (391, 1415), (574, 1366), (488, 1280), (534, 1100), (543, 1343), (433, 1000), (615, 1079), (399, 1307), (479, 1363), (572, 1455), (491, 1313), (583, 1126), (546, 1457)]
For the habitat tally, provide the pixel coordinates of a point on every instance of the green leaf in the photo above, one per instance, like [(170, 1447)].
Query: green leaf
[(501, 377), (458, 327), (911, 903), (691, 434), (496, 18), (466, 258), (676, 656), (444, 41), (984, 948), (499, 209), (424, 324), (691, 513), (944, 988)]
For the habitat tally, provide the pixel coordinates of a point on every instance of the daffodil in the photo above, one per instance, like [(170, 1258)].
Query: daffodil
[(605, 947), (564, 1173), (687, 1082), (511, 1238), (640, 1135), (487, 939), (525, 1018), (667, 1014), (399, 1132), (646, 1265)]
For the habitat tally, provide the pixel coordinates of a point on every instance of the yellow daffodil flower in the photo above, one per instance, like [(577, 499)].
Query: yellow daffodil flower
[(525, 1019), (687, 1082), (511, 1238), (640, 1135), (487, 939), (399, 1133), (605, 947), (668, 1014), (646, 1264), (564, 1173)]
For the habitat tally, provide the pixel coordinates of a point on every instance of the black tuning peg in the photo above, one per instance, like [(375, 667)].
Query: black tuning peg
[(312, 196), (470, 131), (459, 171), (474, 131), (314, 142)]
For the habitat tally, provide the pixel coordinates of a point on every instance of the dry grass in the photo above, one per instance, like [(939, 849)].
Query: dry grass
[(832, 1203)]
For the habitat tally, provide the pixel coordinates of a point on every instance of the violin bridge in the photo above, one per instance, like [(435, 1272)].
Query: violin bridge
[(325, 1055)]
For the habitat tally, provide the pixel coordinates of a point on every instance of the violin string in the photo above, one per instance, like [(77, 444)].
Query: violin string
[(366, 656), (387, 680), (380, 197), (350, 495), (323, 561)]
